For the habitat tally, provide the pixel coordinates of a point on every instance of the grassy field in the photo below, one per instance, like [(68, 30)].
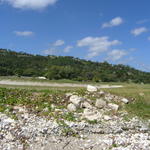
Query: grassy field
[(40, 97), (140, 94)]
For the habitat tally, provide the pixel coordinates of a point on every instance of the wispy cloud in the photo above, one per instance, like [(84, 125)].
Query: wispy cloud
[(114, 22), (116, 54), (50, 51), (67, 49), (56, 48), (30, 4), (139, 31), (23, 33), (97, 45), (58, 43)]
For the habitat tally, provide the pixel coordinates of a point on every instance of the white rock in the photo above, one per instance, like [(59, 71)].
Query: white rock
[(125, 100), (25, 115), (53, 106), (102, 93), (91, 88), (9, 120), (46, 109), (141, 94), (100, 103), (71, 108), (107, 117), (86, 105), (91, 114), (76, 100), (9, 136), (42, 78), (113, 106), (20, 109)]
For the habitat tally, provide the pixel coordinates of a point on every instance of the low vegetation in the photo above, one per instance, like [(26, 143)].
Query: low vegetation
[(42, 102), (140, 96)]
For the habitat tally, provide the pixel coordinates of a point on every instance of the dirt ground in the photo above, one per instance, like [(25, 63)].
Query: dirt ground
[(30, 83)]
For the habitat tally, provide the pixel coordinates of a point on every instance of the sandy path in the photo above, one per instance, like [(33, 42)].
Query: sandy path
[(30, 83)]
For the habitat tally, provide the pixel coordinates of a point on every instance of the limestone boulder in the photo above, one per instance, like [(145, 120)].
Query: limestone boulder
[(71, 108), (100, 103), (86, 105), (124, 100), (91, 88), (113, 106), (91, 114), (76, 100)]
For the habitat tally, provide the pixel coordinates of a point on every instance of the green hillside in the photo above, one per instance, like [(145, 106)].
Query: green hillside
[(66, 67)]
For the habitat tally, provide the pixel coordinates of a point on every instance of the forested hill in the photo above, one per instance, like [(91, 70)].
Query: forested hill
[(60, 67)]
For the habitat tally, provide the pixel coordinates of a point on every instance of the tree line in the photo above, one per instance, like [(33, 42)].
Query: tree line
[(66, 67)]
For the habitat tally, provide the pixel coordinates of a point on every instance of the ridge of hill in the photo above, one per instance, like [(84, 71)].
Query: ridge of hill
[(67, 67)]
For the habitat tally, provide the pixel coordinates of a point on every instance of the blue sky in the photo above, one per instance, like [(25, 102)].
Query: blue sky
[(115, 31)]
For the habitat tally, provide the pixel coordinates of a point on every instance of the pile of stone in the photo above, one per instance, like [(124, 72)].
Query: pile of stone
[(105, 103), (99, 126)]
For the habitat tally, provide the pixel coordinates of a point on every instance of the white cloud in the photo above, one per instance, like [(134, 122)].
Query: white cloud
[(116, 54), (23, 33), (139, 31), (149, 38), (67, 49), (114, 22), (30, 4), (50, 51), (59, 43), (97, 45)]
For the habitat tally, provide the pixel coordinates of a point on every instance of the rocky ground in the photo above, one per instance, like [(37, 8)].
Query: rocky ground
[(100, 124)]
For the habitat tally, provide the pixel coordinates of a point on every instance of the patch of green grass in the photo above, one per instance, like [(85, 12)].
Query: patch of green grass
[(69, 116), (66, 130), (92, 121), (139, 96), (139, 108), (33, 100)]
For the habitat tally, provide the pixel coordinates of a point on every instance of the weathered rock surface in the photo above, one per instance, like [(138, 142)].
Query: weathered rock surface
[(94, 127), (125, 100), (76, 100), (91, 114), (91, 88), (107, 117), (113, 106), (86, 105), (71, 108), (100, 103)]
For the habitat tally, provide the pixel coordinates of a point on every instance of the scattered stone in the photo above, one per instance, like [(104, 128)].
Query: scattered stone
[(86, 105), (19, 109), (125, 100), (91, 114), (95, 129), (141, 94), (71, 107), (53, 106), (107, 117), (100, 103), (46, 109), (76, 100), (102, 93), (113, 106), (91, 88)]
